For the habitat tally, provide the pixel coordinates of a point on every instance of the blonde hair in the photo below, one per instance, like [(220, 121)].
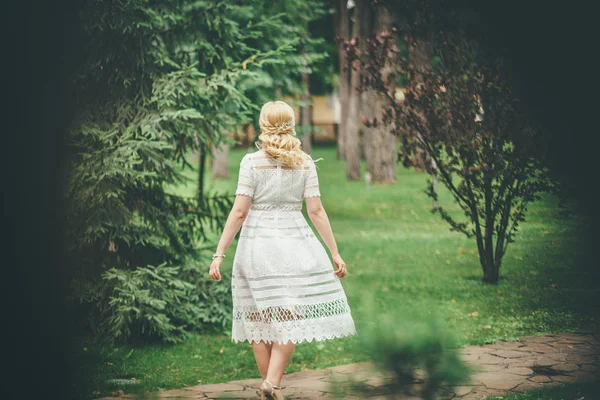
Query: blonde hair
[(278, 136)]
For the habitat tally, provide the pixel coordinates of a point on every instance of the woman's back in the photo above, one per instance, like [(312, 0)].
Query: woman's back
[(273, 186)]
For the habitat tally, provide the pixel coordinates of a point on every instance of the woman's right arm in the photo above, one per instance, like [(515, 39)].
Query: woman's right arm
[(318, 216)]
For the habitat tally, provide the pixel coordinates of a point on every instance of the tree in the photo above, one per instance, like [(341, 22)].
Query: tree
[(220, 165), (287, 23), (351, 138), (158, 83), (379, 140), (342, 32), (305, 115), (465, 115)]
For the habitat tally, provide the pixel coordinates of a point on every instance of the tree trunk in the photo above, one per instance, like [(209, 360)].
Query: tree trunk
[(435, 184), (202, 163), (220, 164), (420, 59), (342, 30), (305, 116), (491, 268), (366, 27), (379, 142), (491, 273), (353, 120)]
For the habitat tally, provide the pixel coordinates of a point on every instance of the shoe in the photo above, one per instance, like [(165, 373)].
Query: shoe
[(268, 391)]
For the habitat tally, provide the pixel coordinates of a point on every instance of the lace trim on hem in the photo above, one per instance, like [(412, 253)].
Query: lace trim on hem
[(312, 195), (244, 193), (307, 339)]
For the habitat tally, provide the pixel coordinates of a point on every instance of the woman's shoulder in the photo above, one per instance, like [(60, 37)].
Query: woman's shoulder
[(255, 158), (255, 155)]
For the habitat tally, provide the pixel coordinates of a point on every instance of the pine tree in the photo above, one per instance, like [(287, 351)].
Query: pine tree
[(161, 80)]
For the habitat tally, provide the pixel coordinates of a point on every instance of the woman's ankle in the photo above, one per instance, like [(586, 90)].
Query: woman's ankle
[(274, 381)]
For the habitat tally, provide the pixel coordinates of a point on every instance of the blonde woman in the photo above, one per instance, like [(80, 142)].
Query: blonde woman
[(285, 289)]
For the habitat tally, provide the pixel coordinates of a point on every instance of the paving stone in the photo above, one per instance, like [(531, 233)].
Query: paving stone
[(527, 386), (583, 375), (470, 357), (310, 384), (580, 359), (376, 381), (537, 339), (589, 368), (507, 345), (179, 394), (362, 376), (540, 379), (302, 393), (502, 383), (570, 335), (475, 350), (522, 363), (481, 393), (344, 369), (248, 382), (460, 391), (489, 359), (565, 367), (562, 378), (537, 348), (546, 362), (337, 378), (520, 371), (509, 353), (310, 373), (483, 376), (245, 394), (492, 367), (585, 350)]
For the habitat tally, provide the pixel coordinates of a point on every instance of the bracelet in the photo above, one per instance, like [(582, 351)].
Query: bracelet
[(218, 255)]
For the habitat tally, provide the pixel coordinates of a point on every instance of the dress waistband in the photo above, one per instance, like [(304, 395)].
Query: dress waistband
[(277, 207)]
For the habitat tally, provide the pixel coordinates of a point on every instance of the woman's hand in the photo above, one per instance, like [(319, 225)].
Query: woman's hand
[(214, 269), (340, 265)]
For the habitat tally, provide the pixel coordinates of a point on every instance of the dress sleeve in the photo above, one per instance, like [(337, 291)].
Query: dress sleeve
[(311, 186), (245, 184)]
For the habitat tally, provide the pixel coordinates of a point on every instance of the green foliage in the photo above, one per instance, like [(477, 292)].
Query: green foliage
[(414, 349), (293, 22), (161, 79), (156, 301), (462, 121)]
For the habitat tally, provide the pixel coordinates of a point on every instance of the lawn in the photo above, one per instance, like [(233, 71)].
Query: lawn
[(399, 256)]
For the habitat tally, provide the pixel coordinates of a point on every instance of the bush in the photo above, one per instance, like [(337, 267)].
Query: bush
[(416, 352)]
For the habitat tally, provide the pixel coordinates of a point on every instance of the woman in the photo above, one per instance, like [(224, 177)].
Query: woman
[(283, 284)]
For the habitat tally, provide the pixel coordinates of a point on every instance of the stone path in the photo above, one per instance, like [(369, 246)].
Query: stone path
[(507, 367)]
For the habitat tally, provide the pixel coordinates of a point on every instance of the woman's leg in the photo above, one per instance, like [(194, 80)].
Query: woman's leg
[(262, 354), (281, 355)]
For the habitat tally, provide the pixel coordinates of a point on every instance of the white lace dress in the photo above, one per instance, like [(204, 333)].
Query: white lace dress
[(283, 283)]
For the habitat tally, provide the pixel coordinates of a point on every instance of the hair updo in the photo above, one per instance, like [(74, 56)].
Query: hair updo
[(278, 135)]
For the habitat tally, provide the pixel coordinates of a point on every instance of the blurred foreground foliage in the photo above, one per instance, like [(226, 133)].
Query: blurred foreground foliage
[(417, 354)]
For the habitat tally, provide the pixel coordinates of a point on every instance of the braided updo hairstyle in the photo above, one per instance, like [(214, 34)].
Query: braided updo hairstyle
[(278, 136)]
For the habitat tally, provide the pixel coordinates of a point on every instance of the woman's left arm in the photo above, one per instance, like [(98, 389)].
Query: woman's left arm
[(236, 218)]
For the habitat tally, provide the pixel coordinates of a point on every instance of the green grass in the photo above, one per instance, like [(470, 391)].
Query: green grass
[(401, 256)]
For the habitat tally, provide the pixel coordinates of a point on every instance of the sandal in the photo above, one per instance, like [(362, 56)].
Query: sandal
[(267, 391)]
